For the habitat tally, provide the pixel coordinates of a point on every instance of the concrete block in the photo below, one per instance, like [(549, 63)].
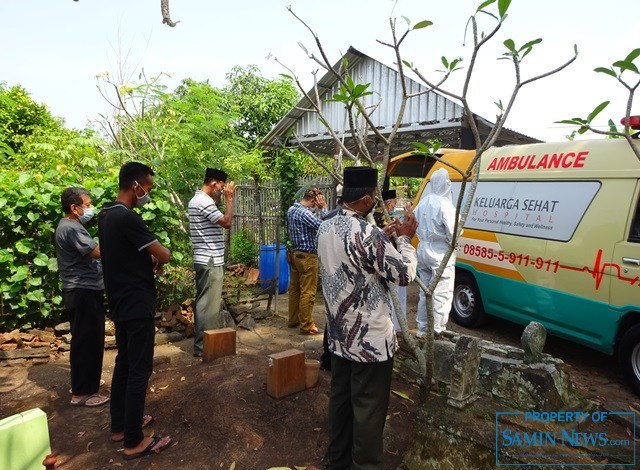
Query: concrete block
[(218, 343), (285, 373), (24, 440)]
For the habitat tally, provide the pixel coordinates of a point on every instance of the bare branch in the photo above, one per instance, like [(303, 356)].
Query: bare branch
[(166, 16), (317, 159)]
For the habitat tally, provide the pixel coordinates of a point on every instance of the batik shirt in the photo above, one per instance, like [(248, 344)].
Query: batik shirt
[(358, 265)]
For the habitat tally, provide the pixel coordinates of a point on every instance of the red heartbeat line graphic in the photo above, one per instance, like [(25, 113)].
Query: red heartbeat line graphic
[(599, 268)]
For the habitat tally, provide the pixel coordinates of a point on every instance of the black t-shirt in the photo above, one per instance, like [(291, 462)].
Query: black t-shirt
[(126, 262)]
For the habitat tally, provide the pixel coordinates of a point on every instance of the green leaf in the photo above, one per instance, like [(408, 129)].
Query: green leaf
[(597, 110), (52, 265), (20, 275), (350, 83), (423, 24), (24, 246), (178, 256), (29, 192), (420, 147), (407, 20), (445, 62), (41, 260), (606, 70), (23, 178), (303, 48), (624, 65), (164, 206), (5, 256), (31, 216), (503, 6), (3, 202), (632, 55), (510, 45), (402, 395), (485, 4), (574, 121), (408, 64), (530, 44), (35, 281)]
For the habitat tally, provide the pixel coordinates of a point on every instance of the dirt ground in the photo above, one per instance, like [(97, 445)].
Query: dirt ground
[(218, 414), (220, 417)]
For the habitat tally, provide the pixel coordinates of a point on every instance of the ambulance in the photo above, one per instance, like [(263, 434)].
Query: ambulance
[(553, 236)]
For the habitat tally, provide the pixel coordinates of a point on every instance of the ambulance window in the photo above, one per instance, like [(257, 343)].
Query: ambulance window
[(634, 235)]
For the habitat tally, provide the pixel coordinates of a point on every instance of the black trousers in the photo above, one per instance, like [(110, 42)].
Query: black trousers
[(134, 364), (85, 310), (357, 412)]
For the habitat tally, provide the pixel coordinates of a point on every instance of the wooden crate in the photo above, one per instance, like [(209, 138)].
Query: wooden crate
[(218, 343), (285, 373)]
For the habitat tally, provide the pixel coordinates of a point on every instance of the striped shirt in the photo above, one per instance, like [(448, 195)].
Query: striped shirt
[(303, 227), (207, 237)]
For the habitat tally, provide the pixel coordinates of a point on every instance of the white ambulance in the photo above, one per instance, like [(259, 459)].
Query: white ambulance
[(553, 236)]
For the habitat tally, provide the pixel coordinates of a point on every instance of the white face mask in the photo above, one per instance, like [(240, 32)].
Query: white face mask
[(87, 214), (144, 199)]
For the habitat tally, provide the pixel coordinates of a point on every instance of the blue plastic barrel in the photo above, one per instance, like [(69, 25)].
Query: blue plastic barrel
[(268, 267)]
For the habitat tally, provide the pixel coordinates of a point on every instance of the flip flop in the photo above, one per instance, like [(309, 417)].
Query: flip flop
[(149, 449), (311, 331), (84, 401), (102, 382), (146, 421)]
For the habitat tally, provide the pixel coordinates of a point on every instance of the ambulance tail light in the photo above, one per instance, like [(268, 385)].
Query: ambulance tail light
[(634, 122)]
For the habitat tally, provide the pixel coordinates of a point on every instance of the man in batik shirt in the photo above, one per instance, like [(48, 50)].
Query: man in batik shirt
[(358, 266)]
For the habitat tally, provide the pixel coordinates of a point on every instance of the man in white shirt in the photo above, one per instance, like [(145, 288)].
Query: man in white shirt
[(207, 237)]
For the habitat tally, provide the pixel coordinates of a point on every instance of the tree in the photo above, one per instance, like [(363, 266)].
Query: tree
[(258, 102), (359, 104), (620, 70), (20, 117)]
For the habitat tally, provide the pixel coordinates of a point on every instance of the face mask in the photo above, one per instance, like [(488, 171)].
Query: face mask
[(144, 199), (87, 215), (373, 204)]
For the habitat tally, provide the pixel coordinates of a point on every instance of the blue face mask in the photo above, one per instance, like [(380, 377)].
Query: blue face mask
[(87, 214)]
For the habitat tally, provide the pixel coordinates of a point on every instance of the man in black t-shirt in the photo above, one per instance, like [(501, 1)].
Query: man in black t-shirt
[(130, 253)]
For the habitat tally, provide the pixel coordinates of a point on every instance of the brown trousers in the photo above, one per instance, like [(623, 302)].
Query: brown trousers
[(302, 291)]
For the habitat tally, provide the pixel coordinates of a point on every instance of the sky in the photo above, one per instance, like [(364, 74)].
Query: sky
[(55, 48)]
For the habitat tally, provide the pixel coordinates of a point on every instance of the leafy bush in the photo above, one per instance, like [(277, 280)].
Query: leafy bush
[(30, 290), (243, 249)]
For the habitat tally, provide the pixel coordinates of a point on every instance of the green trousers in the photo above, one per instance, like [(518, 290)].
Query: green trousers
[(208, 297)]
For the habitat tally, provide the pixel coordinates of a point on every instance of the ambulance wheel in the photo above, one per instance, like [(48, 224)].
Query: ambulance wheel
[(629, 354), (467, 309)]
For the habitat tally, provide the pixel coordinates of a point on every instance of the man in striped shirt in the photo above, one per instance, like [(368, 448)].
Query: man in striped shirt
[(303, 227), (207, 237)]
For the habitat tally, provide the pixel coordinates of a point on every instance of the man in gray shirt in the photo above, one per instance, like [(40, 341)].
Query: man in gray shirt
[(82, 295)]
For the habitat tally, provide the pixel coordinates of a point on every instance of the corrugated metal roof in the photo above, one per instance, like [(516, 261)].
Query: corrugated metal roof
[(429, 115)]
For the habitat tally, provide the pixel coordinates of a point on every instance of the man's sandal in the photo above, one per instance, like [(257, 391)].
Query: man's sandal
[(146, 421), (90, 400), (149, 450)]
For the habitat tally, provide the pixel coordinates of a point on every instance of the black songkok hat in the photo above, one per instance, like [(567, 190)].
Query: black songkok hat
[(215, 174), (388, 194), (360, 177)]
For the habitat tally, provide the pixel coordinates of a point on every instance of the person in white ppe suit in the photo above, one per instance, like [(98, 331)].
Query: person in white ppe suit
[(436, 216)]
